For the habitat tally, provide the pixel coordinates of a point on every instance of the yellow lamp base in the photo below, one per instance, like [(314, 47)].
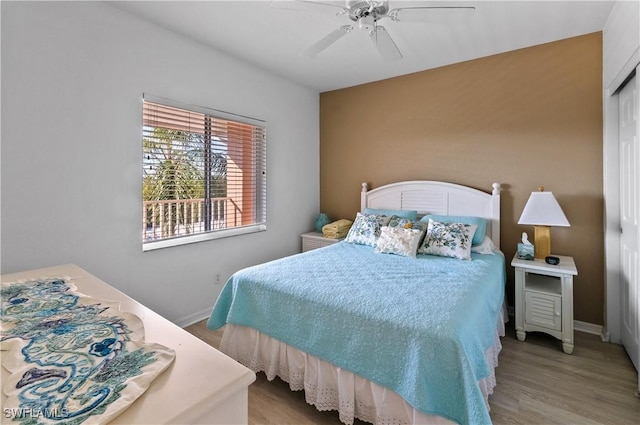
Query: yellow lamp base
[(542, 241)]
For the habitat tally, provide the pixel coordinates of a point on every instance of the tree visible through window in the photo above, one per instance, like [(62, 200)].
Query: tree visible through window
[(202, 173)]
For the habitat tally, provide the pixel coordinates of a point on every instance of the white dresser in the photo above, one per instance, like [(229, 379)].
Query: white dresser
[(202, 386)]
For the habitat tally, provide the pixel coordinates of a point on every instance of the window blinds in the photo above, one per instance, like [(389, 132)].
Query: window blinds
[(202, 171)]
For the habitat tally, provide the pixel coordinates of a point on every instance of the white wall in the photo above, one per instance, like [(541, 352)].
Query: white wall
[(73, 75), (621, 54), (621, 43)]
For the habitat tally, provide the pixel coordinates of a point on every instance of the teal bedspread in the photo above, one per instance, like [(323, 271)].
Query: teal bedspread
[(417, 326)]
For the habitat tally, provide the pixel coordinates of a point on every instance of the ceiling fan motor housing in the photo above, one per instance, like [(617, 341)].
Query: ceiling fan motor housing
[(359, 9)]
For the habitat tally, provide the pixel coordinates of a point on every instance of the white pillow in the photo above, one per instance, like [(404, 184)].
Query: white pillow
[(398, 240), (448, 239), (486, 247)]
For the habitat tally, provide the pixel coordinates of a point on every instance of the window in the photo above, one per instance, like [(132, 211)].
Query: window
[(204, 174)]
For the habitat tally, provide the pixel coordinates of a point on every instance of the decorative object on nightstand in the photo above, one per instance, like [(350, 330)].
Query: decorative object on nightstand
[(321, 221), (338, 229), (525, 248), (550, 259), (542, 211), (544, 298)]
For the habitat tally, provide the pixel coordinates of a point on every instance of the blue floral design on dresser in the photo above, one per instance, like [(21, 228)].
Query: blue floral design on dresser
[(74, 360)]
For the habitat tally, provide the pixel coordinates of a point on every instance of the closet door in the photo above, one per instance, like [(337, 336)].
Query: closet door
[(629, 218)]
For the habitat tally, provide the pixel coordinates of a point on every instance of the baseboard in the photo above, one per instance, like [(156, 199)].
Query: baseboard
[(589, 328), (193, 318)]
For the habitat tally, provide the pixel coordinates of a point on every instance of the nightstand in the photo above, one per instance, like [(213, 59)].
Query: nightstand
[(313, 240), (544, 298)]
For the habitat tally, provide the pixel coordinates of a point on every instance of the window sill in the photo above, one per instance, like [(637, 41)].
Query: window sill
[(218, 234)]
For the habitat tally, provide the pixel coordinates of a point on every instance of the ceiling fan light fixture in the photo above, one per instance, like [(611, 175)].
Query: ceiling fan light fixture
[(366, 23)]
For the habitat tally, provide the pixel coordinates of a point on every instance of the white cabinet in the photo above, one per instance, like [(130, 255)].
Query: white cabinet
[(544, 299), (314, 240)]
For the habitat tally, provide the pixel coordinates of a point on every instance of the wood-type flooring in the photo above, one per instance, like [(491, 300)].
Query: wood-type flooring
[(536, 384)]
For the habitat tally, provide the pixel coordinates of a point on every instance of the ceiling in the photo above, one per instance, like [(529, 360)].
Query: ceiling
[(274, 37)]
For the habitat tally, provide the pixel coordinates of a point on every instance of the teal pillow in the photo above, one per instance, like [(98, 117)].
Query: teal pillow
[(410, 214), (481, 230)]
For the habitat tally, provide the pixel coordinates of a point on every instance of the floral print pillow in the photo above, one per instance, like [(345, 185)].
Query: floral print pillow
[(397, 221), (448, 239), (366, 229), (401, 222)]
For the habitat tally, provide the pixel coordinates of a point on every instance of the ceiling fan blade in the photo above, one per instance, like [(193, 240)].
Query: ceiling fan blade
[(430, 14), (327, 41), (384, 43), (336, 8)]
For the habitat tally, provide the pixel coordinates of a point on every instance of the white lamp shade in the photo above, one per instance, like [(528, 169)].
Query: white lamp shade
[(542, 209)]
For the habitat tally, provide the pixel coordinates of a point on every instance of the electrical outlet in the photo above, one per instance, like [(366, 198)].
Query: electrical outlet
[(217, 278)]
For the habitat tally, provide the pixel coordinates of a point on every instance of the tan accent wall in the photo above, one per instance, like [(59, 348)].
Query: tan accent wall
[(524, 118)]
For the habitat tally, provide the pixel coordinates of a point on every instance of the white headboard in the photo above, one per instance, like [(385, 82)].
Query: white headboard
[(433, 197)]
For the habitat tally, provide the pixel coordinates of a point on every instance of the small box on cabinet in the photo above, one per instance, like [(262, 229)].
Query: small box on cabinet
[(525, 251)]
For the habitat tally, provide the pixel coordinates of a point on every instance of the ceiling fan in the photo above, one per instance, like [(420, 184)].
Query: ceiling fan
[(367, 14)]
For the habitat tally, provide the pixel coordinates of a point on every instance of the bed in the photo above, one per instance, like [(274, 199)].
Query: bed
[(372, 330)]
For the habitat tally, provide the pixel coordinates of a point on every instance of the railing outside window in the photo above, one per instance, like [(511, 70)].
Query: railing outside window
[(181, 217)]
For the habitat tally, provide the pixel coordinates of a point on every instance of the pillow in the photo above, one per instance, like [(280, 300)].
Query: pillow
[(486, 247), (480, 222), (448, 239), (398, 240), (410, 214), (405, 223), (399, 221), (366, 229)]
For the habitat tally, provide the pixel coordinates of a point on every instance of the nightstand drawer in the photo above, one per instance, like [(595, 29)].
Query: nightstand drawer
[(544, 310)]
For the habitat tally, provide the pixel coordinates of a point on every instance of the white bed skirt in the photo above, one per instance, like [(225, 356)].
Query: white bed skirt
[(328, 387)]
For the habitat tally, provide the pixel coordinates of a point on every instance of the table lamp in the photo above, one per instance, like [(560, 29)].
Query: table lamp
[(542, 211)]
